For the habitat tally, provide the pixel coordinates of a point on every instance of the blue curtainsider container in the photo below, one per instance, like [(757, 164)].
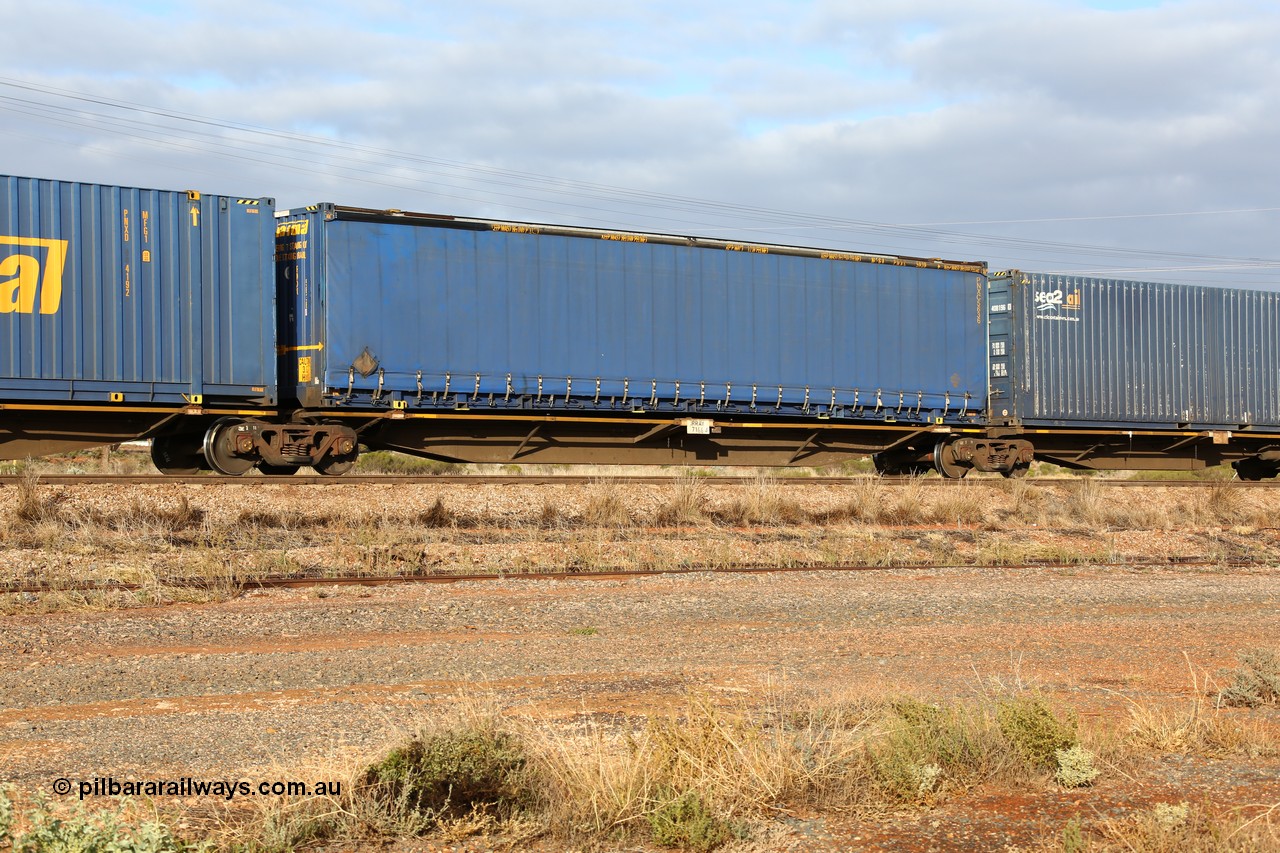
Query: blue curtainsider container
[(421, 312), (1075, 351), (122, 295)]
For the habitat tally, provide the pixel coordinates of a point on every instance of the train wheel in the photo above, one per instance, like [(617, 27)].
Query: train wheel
[(277, 470), (1018, 471), (176, 455), (219, 448), (944, 460), (335, 466), (1252, 469)]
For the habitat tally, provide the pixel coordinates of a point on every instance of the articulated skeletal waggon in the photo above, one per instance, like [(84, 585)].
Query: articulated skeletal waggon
[(236, 336)]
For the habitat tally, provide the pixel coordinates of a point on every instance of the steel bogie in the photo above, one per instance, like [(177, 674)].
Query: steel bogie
[(1264, 466), (954, 458), (233, 446)]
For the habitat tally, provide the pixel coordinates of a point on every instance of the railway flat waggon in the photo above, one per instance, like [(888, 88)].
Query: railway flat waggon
[(234, 336), (486, 341), (1106, 373), (128, 313)]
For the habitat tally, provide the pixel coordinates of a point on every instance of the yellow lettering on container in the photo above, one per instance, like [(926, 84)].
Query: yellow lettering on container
[(296, 228), (21, 277)]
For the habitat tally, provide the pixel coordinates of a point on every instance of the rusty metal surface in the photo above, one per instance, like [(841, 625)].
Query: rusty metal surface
[(579, 480), (303, 581)]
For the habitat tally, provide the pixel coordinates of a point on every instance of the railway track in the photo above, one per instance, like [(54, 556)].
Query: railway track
[(577, 480), (308, 581)]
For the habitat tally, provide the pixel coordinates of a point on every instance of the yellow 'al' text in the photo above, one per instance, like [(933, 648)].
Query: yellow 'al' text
[(24, 274)]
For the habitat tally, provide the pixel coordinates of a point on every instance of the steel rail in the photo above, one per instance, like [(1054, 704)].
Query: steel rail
[(579, 480), (307, 581)]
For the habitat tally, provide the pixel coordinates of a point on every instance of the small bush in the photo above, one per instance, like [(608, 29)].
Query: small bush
[(1034, 730), (1256, 683), (82, 831), (452, 774), (687, 823), (1075, 767), (1073, 837), (926, 746)]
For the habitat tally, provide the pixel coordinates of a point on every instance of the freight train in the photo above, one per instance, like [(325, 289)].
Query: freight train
[(236, 336)]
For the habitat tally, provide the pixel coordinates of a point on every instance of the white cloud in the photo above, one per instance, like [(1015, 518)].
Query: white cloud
[(918, 111)]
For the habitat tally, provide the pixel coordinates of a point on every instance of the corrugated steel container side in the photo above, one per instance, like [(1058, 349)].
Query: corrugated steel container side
[(1129, 353), (432, 313), (146, 296)]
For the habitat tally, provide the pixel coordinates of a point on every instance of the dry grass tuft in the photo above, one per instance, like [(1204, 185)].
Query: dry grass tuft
[(438, 515), (1085, 502), (695, 778), (149, 516), (1183, 828), (34, 504), (1256, 682), (606, 506), (1196, 729), (1222, 502), (549, 516), (687, 504), (961, 504), (763, 503), (282, 519), (866, 500)]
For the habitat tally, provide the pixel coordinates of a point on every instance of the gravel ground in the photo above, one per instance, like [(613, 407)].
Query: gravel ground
[(296, 679)]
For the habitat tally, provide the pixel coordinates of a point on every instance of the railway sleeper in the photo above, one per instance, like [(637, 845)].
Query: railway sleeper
[(232, 446)]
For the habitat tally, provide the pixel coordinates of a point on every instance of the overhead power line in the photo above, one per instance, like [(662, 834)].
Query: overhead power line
[(539, 193)]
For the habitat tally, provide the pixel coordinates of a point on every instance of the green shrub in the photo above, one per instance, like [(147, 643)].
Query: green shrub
[(1073, 837), (82, 831), (1075, 767), (687, 823), (452, 774), (927, 746), (1034, 730)]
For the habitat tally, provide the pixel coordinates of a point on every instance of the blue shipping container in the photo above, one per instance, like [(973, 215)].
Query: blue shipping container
[(419, 312), (116, 294), (1077, 351)]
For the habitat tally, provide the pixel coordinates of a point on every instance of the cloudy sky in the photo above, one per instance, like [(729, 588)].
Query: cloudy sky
[(1127, 137)]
